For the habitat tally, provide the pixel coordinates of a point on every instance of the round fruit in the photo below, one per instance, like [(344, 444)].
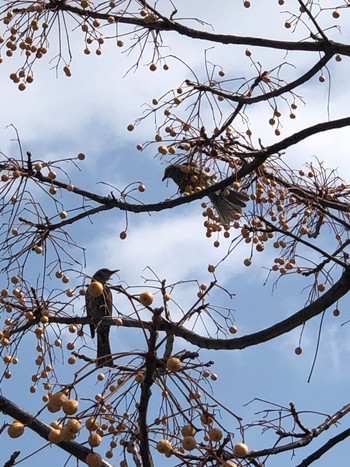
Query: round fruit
[(95, 289), (73, 425), (91, 424), (240, 450), (173, 364), (188, 430), (164, 446), (189, 443), (70, 406), (15, 430), (215, 434), (58, 398), (93, 459), (206, 419), (163, 150), (94, 440), (53, 408), (55, 436), (15, 279), (66, 434), (146, 298)]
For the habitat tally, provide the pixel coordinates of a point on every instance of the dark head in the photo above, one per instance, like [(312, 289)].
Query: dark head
[(174, 171), (167, 173), (102, 275)]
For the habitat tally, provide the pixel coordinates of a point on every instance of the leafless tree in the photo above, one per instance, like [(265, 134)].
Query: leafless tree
[(156, 401)]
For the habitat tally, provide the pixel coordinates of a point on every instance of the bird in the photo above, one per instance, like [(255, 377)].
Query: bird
[(97, 307), (188, 176)]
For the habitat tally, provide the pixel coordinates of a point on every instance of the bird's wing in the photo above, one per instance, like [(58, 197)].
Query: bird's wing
[(108, 301)]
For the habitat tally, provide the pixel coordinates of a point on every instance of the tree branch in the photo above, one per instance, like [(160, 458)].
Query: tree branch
[(168, 25), (42, 429), (326, 447), (338, 290)]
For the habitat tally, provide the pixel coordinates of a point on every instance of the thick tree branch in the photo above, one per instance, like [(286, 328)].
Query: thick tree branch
[(169, 25), (314, 433), (146, 390), (42, 429), (323, 449), (258, 158), (338, 290)]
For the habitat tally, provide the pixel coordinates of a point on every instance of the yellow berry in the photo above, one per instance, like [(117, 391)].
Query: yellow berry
[(95, 289), (15, 430), (146, 298), (240, 450), (173, 364), (189, 443), (70, 406), (94, 440), (164, 446), (215, 434), (93, 459)]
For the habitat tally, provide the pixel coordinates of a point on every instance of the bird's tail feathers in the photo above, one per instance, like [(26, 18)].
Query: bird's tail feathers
[(104, 357), (228, 206)]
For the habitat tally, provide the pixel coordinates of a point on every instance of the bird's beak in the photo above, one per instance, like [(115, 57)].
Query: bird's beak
[(115, 270), (164, 178)]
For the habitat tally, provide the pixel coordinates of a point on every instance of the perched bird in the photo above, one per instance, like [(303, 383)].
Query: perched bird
[(99, 303), (189, 176)]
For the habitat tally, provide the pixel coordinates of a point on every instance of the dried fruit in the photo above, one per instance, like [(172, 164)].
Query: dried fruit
[(173, 364), (189, 443), (164, 446), (215, 434), (15, 430), (240, 450), (146, 298), (95, 289)]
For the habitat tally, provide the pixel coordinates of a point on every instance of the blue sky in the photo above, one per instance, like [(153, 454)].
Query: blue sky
[(58, 117)]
